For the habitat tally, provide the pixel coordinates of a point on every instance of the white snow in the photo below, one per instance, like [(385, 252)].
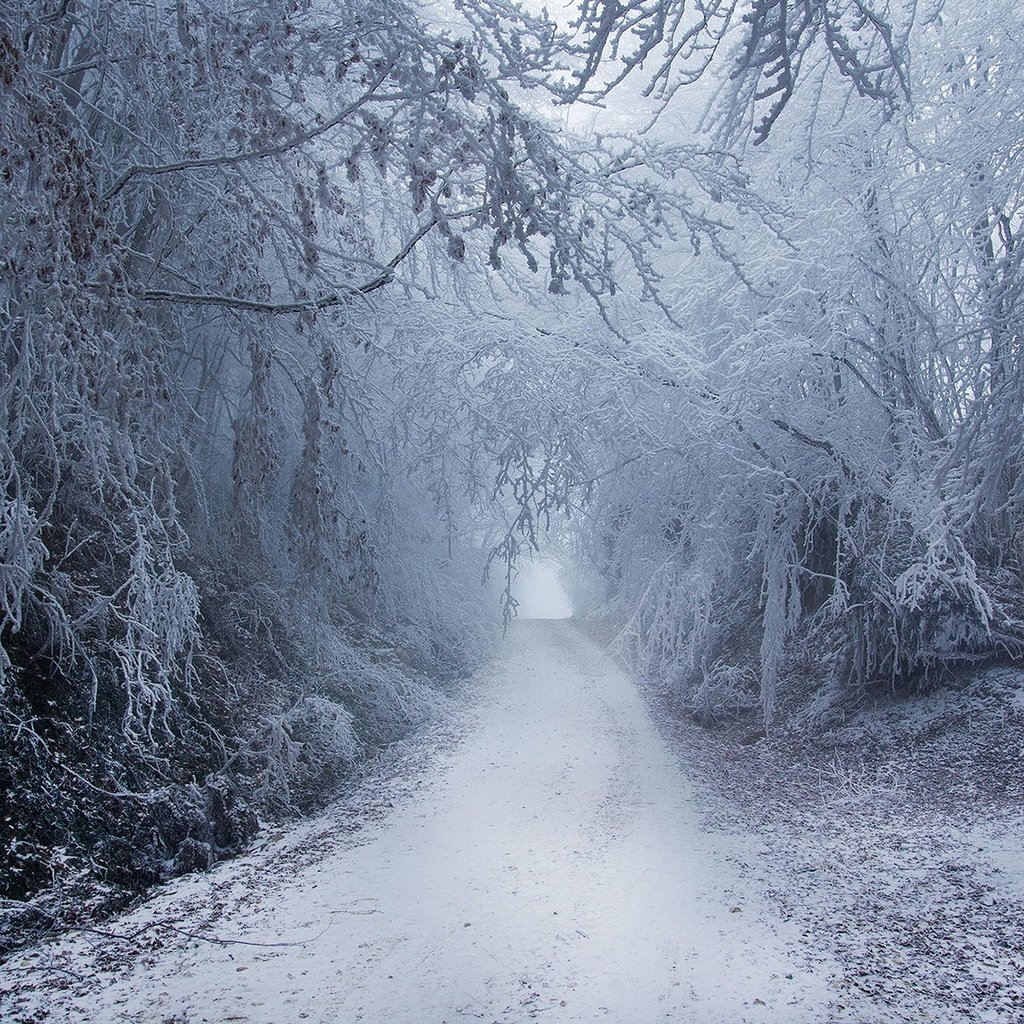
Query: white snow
[(549, 864)]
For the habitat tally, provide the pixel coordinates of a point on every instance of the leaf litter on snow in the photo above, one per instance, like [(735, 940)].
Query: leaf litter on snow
[(891, 831)]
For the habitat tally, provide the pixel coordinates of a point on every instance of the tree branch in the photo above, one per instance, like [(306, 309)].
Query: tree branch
[(257, 154), (335, 298)]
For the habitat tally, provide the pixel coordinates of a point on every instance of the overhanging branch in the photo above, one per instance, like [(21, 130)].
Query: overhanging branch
[(334, 298), (257, 154)]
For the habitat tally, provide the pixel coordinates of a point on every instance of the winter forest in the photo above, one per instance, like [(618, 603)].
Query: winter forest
[(321, 320)]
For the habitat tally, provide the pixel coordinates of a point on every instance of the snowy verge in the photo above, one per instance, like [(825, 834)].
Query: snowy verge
[(200, 911), (893, 837)]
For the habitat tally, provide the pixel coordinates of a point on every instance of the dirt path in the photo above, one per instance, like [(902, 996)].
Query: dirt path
[(550, 865)]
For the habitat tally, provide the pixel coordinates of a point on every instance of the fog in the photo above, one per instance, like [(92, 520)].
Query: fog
[(540, 592)]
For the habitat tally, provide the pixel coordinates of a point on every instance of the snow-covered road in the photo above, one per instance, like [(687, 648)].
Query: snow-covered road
[(551, 865)]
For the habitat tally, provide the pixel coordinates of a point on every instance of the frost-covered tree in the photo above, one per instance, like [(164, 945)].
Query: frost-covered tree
[(244, 254), (311, 311), (825, 447)]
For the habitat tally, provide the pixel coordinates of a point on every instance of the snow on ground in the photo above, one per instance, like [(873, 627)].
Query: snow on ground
[(894, 841), (549, 854), (548, 863)]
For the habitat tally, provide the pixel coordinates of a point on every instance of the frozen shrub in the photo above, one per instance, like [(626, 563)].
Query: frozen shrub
[(724, 692)]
